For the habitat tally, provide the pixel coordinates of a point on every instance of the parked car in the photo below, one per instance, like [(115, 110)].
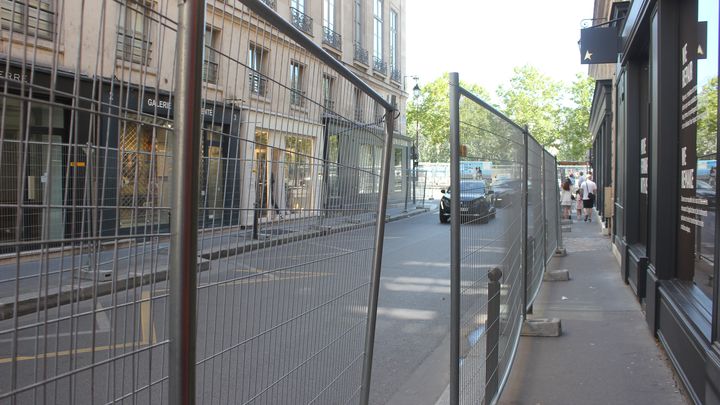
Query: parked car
[(504, 191), (703, 189), (476, 202)]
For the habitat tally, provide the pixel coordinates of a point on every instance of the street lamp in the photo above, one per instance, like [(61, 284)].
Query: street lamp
[(416, 146)]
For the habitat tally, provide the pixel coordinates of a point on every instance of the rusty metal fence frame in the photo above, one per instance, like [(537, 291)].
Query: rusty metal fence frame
[(495, 278)]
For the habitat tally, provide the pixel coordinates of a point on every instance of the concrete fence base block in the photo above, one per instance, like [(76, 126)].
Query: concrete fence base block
[(557, 275), (566, 229), (542, 327), (560, 252), (566, 222)]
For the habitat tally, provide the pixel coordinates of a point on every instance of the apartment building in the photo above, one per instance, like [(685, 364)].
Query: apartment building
[(87, 113), (654, 120)]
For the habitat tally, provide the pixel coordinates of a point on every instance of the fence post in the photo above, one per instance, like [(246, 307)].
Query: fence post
[(525, 223), (493, 335), (559, 221), (545, 207), (377, 257), (183, 238), (454, 91)]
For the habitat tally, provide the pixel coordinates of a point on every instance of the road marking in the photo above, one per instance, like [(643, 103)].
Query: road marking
[(84, 350), (101, 318), (146, 329)]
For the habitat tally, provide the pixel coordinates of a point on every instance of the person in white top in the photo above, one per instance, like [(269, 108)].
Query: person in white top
[(565, 198), (589, 188)]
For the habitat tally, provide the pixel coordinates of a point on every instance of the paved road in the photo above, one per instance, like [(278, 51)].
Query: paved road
[(283, 325)]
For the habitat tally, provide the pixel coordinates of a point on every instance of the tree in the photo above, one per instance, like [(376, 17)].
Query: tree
[(707, 122), (535, 100), (430, 114), (574, 137)]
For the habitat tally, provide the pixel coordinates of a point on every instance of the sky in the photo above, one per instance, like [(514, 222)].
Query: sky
[(483, 40)]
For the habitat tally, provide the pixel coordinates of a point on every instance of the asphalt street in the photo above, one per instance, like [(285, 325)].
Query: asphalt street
[(283, 325)]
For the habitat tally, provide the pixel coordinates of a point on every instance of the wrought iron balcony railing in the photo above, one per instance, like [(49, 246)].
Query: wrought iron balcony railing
[(258, 84), (301, 21), (395, 75), (210, 71), (329, 104), (332, 38), (361, 54), (297, 98), (271, 3), (379, 65)]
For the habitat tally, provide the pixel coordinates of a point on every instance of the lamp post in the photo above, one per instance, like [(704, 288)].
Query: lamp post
[(416, 145)]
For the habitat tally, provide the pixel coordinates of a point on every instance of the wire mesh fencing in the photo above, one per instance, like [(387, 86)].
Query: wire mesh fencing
[(500, 205), (292, 154)]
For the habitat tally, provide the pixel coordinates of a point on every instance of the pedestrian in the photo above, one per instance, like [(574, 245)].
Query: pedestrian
[(581, 179), (565, 199), (589, 188), (578, 202), (572, 178)]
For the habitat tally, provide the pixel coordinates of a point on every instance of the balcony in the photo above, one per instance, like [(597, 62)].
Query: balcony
[(297, 98), (395, 75), (258, 84), (360, 54), (270, 3), (301, 21), (379, 66), (210, 71), (329, 104), (332, 38)]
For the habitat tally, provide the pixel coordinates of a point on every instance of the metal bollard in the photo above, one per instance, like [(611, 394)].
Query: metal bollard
[(492, 340)]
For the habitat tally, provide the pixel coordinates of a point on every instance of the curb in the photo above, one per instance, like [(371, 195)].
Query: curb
[(28, 303)]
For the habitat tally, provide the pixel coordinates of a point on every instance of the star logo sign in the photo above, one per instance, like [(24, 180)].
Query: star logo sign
[(588, 55)]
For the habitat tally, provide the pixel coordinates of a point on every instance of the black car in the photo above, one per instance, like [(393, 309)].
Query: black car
[(704, 190), (505, 191), (476, 202)]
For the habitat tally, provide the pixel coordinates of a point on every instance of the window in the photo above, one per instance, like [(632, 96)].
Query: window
[(297, 95), (398, 173), (31, 17), (256, 63), (393, 39), (328, 84), (298, 173), (358, 26), (698, 146), (298, 5), (329, 14), (378, 31), (358, 105), (134, 33), (210, 58)]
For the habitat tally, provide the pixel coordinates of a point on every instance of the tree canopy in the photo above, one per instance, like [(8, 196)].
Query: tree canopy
[(555, 113)]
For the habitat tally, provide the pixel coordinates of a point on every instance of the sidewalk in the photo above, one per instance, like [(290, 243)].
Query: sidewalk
[(606, 354)]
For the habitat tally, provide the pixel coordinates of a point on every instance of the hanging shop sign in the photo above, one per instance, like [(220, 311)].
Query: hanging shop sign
[(598, 45)]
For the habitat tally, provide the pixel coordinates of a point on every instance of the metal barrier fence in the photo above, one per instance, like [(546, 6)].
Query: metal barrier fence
[(192, 204), (503, 210)]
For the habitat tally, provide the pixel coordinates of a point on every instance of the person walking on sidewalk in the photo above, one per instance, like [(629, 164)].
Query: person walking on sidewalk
[(578, 202), (589, 188), (565, 199)]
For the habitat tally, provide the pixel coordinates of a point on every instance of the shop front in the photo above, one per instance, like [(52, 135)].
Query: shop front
[(665, 200)]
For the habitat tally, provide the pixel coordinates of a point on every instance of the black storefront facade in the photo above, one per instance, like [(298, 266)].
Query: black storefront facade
[(659, 165), (72, 143)]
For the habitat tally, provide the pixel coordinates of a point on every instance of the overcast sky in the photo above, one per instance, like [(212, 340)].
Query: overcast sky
[(484, 40)]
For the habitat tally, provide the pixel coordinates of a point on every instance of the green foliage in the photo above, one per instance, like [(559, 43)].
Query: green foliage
[(707, 124), (556, 114)]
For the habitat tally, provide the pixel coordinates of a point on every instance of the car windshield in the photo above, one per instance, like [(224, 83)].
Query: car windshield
[(472, 187)]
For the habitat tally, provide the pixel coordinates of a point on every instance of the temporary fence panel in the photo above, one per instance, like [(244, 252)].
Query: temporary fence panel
[(551, 194), (496, 208), (536, 220), (290, 190)]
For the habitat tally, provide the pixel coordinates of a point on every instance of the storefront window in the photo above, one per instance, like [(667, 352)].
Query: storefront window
[(298, 173), (698, 144), (145, 176)]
